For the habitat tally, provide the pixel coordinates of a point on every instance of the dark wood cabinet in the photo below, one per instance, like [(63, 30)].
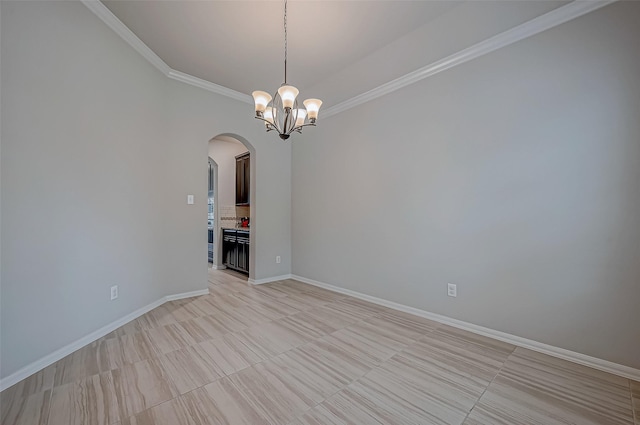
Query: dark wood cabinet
[(210, 179), (242, 241), (243, 179), (235, 249), (229, 248)]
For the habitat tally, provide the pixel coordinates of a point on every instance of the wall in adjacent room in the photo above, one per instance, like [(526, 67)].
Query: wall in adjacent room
[(514, 176), (99, 152), (224, 154)]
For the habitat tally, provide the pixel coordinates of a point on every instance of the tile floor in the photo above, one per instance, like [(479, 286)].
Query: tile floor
[(290, 353)]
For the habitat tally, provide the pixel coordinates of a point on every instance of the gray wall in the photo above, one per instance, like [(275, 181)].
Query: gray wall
[(99, 151), (515, 176), (224, 154)]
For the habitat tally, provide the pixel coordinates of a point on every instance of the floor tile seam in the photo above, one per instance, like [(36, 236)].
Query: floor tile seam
[(575, 371), (110, 371), (488, 385), (181, 397), (424, 339), (378, 367), (568, 385), (268, 320), (344, 327), (185, 407), (408, 347), (634, 414), (320, 402), (422, 334), (173, 388), (157, 350), (444, 328), (48, 403), (381, 316), (16, 396), (215, 380), (175, 385), (232, 331), (271, 358), (246, 398), (120, 419), (570, 395), (343, 387), (256, 354), (84, 376), (384, 341), (374, 367), (399, 353)]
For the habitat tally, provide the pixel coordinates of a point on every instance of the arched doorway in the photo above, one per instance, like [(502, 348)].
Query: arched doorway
[(225, 150)]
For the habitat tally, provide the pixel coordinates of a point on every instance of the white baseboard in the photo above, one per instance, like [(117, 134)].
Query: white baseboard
[(572, 356), (269, 279), (49, 359), (183, 295), (215, 267)]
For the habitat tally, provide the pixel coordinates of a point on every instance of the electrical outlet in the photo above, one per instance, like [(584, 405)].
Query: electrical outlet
[(114, 292), (278, 259), (452, 290)]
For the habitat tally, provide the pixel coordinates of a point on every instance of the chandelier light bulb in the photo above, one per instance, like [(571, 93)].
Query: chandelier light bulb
[(300, 117), (268, 116), (313, 106), (261, 99), (288, 95)]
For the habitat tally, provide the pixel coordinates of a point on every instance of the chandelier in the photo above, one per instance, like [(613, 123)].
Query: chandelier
[(281, 112)]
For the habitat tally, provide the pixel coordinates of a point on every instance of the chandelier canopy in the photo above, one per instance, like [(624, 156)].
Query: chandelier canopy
[(280, 112)]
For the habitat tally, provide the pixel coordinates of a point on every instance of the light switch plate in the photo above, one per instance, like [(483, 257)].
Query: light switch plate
[(190, 199)]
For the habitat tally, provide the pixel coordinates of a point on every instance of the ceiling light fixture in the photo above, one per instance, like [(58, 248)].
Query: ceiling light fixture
[(281, 112)]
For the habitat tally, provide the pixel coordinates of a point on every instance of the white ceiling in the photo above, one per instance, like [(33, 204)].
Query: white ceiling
[(337, 49)]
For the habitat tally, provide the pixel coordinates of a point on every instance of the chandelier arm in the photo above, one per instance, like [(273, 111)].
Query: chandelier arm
[(269, 125), (306, 125), (286, 122), (299, 128)]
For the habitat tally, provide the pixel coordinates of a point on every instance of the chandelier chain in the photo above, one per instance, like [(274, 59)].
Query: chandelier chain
[(285, 41)]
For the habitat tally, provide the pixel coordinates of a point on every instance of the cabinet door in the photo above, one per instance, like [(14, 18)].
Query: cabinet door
[(233, 254), (243, 180), (210, 179), (239, 181), (241, 263), (243, 251), (246, 179), (246, 256), (229, 248)]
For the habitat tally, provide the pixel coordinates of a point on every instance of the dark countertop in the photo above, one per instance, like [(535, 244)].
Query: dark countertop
[(241, 229)]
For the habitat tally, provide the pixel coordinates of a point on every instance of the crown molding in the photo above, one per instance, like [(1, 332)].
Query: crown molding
[(537, 25), (102, 12), (207, 85)]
